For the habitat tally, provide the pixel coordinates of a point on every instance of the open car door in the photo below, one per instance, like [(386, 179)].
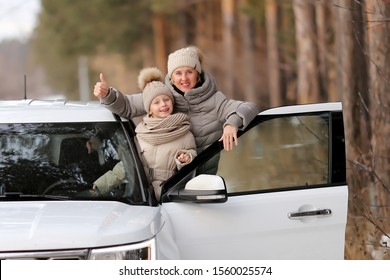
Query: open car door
[(286, 191)]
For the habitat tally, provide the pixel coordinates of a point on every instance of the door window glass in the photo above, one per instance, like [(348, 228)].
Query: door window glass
[(277, 153)]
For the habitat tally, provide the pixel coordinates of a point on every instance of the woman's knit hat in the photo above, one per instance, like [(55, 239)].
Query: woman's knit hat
[(150, 82), (190, 56)]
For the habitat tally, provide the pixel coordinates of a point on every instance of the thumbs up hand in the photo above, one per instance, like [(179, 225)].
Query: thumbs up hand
[(101, 89)]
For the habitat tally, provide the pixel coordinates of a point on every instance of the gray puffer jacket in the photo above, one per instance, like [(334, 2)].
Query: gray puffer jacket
[(209, 109)]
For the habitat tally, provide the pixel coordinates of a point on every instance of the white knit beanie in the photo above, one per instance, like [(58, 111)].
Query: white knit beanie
[(190, 56), (150, 82)]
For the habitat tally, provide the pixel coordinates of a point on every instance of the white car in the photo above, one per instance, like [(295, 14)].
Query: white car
[(280, 194)]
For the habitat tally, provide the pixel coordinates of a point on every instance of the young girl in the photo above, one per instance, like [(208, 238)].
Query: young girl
[(165, 139)]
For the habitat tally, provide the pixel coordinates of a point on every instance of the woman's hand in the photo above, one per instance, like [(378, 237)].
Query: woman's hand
[(101, 88), (229, 137)]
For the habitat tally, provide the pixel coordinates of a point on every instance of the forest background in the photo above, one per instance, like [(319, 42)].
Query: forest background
[(272, 52)]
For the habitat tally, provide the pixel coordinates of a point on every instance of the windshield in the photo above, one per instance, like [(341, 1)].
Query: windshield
[(67, 161)]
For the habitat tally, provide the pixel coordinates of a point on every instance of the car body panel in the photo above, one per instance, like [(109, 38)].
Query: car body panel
[(257, 226), (56, 225)]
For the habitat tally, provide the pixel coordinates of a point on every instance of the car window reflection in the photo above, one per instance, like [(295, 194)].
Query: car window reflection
[(282, 152)]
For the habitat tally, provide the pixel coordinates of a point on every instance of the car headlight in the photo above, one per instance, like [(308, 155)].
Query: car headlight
[(140, 251)]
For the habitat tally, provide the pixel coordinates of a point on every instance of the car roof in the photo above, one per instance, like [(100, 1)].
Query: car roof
[(61, 110), (305, 108)]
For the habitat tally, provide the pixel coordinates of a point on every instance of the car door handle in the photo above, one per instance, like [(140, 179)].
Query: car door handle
[(312, 213)]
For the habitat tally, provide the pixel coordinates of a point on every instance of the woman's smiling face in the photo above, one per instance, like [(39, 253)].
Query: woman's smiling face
[(185, 78)]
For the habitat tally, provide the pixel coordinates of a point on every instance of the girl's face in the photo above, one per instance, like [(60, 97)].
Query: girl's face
[(185, 78), (161, 107)]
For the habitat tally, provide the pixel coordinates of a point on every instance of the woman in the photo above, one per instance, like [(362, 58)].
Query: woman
[(213, 116)]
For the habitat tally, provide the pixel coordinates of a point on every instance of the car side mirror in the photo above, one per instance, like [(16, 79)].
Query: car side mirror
[(204, 188)]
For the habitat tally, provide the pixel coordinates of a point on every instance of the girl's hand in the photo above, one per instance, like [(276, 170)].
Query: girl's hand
[(184, 158)]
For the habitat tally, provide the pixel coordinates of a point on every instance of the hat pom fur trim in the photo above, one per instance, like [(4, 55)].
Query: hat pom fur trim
[(148, 75)]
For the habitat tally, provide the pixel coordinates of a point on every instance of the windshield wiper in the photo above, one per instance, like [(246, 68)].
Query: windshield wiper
[(11, 194)]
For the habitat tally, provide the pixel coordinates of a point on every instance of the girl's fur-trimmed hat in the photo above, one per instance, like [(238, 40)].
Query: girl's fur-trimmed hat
[(190, 56), (150, 82)]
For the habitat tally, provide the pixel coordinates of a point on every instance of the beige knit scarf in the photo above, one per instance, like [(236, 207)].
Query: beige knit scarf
[(159, 131)]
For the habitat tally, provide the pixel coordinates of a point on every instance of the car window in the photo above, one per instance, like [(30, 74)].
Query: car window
[(280, 152), (65, 159)]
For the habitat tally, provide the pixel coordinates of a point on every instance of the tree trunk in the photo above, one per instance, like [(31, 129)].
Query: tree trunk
[(352, 86), (308, 87), (379, 54), (228, 46), (248, 53), (321, 24), (160, 48), (273, 57), (201, 25)]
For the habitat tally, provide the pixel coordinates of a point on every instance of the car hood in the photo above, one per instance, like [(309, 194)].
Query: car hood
[(74, 224)]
